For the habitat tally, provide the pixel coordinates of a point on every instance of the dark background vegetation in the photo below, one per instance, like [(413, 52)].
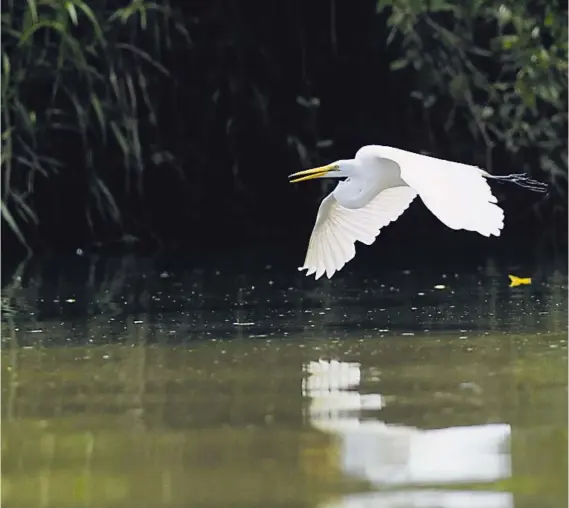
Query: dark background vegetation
[(171, 126)]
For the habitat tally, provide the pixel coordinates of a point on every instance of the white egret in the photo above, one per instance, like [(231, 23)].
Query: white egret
[(380, 184)]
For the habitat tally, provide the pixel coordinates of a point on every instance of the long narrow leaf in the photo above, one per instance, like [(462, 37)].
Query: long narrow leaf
[(27, 212), (94, 22), (104, 190), (98, 108), (145, 56), (54, 25), (70, 7), (7, 216), (120, 139)]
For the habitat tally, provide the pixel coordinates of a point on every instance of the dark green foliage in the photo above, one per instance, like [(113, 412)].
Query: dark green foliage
[(76, 98), (492, 74)]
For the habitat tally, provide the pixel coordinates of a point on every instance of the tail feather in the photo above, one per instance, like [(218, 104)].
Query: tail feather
[(521, 179)]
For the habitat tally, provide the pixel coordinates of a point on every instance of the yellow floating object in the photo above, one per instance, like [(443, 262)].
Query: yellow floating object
[(518, 281)]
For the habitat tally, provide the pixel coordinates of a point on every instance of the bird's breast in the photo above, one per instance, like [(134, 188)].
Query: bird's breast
[(351, 195)]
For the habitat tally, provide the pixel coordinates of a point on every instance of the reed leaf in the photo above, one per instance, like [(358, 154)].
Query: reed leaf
[(12, 224)]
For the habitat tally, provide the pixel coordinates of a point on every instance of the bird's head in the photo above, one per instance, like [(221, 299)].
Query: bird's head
[(339, 169)]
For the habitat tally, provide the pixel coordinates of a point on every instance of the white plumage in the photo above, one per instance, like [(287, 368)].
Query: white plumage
[(381, 182), (332, 243)]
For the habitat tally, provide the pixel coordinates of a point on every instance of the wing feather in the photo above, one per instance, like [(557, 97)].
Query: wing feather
[(457, 194), (335, 246), (337, 229)]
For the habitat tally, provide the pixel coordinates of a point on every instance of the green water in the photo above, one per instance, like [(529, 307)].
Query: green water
[(140, 387)]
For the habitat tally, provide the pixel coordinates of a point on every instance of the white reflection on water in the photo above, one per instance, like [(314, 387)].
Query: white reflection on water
[(333, 389), (425, 499), (397, 455)]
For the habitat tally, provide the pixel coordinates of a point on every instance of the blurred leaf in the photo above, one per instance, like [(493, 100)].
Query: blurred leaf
[(509, 41), (120, 138), (504, 15), (54, 25), (440, 5), (383, 4), (95, 102), (7, 216), (396, 65), (72, 12), (112, 205), (527, 95)]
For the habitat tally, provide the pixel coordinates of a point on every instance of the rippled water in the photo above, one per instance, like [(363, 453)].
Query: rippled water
[(127, 383)]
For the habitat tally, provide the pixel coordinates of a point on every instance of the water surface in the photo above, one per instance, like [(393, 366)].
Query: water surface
[(127, 383)]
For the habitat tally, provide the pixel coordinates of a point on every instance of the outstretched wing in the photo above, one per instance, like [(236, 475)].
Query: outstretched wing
[(457, 194), (332, 243)]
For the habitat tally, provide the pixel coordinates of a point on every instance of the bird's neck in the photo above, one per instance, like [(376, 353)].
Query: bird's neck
[(354, 193)]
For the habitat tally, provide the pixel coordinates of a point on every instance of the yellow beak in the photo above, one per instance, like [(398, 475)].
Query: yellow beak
[(310, 174)]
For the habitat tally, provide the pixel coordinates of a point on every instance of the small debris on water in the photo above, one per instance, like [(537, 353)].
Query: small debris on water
[(519, 281)]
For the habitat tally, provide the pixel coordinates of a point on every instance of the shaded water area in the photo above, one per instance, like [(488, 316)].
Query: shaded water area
[(138, 383)]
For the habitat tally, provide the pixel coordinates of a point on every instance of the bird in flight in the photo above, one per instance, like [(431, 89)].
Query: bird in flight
[(379, 185)]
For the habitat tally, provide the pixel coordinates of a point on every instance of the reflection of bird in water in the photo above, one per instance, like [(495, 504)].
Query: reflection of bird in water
[(332, 388), (392, 454), (381, 182), (336, 407)]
